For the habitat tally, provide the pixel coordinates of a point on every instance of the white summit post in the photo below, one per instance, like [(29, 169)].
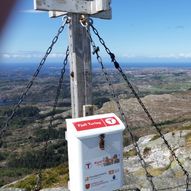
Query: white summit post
[(79, 45)]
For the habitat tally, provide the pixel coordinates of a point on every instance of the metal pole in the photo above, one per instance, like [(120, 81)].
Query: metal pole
[(80, 66)]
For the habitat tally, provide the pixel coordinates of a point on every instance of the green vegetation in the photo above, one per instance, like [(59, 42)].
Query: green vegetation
[(169, 87), (188, 139), (158, 171), (53, 156), (22, 164), (46, 134), (130, 153), (153, 171), (168, 122), (50, 113), (9, 174), (53, 177), (155, 137), (23, 116), (187, 127), (23, 160), (29, 154), (3, 155)]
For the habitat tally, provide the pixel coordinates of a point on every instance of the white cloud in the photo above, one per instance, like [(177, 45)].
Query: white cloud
[(186, 55), (29, 55), (56, 55), (176, 56)]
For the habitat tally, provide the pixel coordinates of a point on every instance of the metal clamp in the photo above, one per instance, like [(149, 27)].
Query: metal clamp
[(102, 142), (85, 21)]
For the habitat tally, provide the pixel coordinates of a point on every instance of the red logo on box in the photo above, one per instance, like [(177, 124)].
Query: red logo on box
[(95, 123)]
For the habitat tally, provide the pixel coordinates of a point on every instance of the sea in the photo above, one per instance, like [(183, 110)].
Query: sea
[(29, 67)]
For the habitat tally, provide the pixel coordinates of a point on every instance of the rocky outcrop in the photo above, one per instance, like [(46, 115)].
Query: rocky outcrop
[(167, 175), (160, 163)]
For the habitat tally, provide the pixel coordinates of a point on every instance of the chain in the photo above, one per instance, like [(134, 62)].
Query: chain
[(63, 70), (59, 87), (115, 97), (38, 181), (29, 85), (117, 66)]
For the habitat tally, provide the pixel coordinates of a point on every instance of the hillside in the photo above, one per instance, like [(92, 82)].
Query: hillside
[(165, 92), (166, 173), (170, 111)]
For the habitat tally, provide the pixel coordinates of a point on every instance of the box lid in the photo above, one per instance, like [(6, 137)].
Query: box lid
[(94, 125)]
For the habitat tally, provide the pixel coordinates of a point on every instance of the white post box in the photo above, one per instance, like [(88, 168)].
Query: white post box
[(95, 153)]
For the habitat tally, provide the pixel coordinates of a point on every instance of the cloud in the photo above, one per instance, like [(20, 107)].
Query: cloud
[(177, 55), (174, 56), (184, 55), (181, 55), (29, 55)]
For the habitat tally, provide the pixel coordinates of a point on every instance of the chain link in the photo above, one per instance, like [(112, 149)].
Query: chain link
[(39, 176), (115, 97), (63, 70), (29, 85), (117, 66), (59, 87)]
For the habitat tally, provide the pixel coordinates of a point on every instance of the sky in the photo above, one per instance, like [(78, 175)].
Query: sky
[(139, 31)]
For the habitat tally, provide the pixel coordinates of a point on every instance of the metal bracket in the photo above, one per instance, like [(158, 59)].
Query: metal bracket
[(90, 7), (102, 141)]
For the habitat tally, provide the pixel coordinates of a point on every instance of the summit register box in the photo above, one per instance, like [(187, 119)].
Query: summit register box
[(95, 153)]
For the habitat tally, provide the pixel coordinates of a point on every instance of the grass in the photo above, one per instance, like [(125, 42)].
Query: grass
[(10, 174), (169, 122), (188, 139), (169, 87), (179, 174), (185, 127), (130, 153), (159, 171), (153, 171), (155, 137), (53, 177)]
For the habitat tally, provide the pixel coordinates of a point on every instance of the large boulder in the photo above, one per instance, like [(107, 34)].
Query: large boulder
[(161, 165)]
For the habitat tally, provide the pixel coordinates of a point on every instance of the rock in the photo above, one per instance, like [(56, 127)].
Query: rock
[(55, 189), (165, 170)]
